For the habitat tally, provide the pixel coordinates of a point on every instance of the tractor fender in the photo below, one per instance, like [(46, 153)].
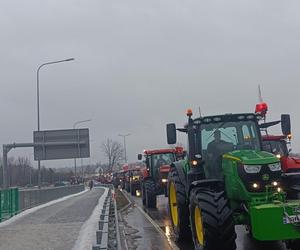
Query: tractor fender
[(212, 184)]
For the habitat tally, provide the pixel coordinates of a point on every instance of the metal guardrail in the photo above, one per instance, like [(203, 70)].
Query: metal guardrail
[(29, 198), (9, 203), (107, 235)]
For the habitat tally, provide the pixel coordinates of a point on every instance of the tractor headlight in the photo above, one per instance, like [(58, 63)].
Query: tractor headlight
[(252, 169), (275, 166)]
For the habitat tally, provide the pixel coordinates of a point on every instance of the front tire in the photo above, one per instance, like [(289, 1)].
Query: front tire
[(143, 194), (212, 222), (132, 190), (293, 245), (150, 194), (178, 207)]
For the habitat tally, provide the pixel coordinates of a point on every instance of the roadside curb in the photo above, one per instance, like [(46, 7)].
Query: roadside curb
[(128, 205)]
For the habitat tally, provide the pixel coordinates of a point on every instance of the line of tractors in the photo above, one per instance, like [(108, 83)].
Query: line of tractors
[(232, 172)]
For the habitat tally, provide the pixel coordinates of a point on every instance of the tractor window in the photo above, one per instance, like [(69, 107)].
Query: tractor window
[(276, 147)]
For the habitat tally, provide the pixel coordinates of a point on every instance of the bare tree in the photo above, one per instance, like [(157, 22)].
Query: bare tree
[(113, 151)]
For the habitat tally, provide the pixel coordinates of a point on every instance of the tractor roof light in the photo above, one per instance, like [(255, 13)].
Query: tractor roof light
[(261, 108), (189, 112), (255, 185), (275, 183)]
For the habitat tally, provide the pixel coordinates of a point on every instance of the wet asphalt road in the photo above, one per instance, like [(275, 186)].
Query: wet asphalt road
[(55, 227), (161, 217)]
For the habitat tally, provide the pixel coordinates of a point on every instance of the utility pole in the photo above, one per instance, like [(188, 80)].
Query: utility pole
[(124, 141), (74, 126), (38, 104)]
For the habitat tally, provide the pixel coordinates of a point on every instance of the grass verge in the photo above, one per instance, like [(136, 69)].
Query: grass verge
[(120, 199)]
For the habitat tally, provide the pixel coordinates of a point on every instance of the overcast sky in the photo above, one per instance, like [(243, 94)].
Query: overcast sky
[(140, 64)]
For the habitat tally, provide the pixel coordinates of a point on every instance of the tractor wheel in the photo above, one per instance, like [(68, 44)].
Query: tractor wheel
[(211, 220), (150, 194), (178, 207), (132, 189), (143, 194), (294, 245)]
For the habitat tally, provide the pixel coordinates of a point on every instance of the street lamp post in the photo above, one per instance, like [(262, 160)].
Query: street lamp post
[(38, 104), (124, 141), (74, 126)]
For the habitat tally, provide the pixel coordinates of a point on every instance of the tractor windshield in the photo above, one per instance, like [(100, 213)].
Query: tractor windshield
[(162, 159), (135, 172), (276, 147), (158, 160), (222, 137)]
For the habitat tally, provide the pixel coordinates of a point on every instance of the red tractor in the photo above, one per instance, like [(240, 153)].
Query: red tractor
[(279, 145), (154, 174), (134, 181)]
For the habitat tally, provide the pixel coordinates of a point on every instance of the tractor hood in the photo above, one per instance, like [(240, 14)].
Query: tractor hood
[(252, 157)]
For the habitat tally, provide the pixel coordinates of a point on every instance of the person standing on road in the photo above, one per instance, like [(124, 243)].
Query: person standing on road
[(91, 184)]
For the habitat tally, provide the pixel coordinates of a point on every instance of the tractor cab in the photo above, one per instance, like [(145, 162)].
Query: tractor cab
[(211, 138), (218, 136), (158, 163), (276, 144)]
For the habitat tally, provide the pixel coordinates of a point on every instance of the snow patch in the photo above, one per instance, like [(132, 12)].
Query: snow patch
[(87, 234)]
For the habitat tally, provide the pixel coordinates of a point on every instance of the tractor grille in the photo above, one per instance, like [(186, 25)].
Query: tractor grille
[(264, 178)]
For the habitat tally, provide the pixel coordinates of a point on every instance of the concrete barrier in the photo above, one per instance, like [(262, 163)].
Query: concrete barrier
[(29, 198)]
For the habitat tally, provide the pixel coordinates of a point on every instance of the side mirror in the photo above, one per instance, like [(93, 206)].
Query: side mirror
[(140, 156), (171, 133), (286, 124)]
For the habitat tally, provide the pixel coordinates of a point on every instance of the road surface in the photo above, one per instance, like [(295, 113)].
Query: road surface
[(55, 227)]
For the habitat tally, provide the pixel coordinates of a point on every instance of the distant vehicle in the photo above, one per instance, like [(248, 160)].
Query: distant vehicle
[(134, 182), (59, 184), (278, 145), (45, 184)]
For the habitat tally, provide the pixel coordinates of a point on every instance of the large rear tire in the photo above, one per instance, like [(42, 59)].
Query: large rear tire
[(178, 207), (293, 245), (150, 194), (212, 222), (132, 189), (143, 194)]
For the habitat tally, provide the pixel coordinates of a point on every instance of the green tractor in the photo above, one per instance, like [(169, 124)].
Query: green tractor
[(227, 180)]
